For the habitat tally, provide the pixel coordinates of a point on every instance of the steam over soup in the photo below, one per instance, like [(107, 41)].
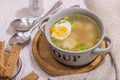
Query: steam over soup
[(75, 32)]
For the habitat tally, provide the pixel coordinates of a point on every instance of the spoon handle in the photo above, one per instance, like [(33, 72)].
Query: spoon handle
[(75, 6), (56, 6), (52, 10)]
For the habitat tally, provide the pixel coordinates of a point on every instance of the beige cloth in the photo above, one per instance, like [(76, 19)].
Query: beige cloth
[(109, 69), (109, 10)]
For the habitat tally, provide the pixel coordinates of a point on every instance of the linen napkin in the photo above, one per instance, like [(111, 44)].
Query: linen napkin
[(109, 69)]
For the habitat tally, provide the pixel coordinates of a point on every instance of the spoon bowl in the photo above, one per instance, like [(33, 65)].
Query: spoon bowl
[(22, 24), (20, 39)]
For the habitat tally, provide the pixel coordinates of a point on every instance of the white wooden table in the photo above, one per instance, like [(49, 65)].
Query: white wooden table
[(12, 9)]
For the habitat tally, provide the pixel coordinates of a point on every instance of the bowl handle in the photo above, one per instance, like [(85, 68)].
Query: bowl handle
[(40, 27), (98, 50)]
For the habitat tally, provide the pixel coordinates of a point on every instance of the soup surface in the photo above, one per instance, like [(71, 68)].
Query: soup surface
[(75, 32)]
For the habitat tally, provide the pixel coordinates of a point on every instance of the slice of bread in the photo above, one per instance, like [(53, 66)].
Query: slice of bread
[(2, 69), (31, 76), (6, 57), (2, 53), (12, 61)]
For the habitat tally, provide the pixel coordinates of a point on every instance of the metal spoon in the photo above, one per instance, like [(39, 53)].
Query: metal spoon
[(24, 24)]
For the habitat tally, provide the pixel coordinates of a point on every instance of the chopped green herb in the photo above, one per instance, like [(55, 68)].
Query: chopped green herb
[(72, 24), (65, 17), (97, 40), (79, 15), (82, 47), (53, 39), (61, 21), (64, 48), (53, 26), (83, 44)]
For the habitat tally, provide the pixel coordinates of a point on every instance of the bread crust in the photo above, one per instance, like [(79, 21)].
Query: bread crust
[(12, 61), (2, 53), (31, 76)]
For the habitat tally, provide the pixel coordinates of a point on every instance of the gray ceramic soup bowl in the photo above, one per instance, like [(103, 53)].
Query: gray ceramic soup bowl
[(75, 58)]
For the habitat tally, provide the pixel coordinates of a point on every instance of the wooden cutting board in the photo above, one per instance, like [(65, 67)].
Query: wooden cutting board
[(42, 54)]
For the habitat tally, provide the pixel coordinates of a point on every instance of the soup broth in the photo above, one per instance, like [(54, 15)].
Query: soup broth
[(75, 32)]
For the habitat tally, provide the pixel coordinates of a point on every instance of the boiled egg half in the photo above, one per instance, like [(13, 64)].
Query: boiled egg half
[(61, 30)]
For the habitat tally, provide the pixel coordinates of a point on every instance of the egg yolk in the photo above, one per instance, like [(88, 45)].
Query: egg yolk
[(59, 31)]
